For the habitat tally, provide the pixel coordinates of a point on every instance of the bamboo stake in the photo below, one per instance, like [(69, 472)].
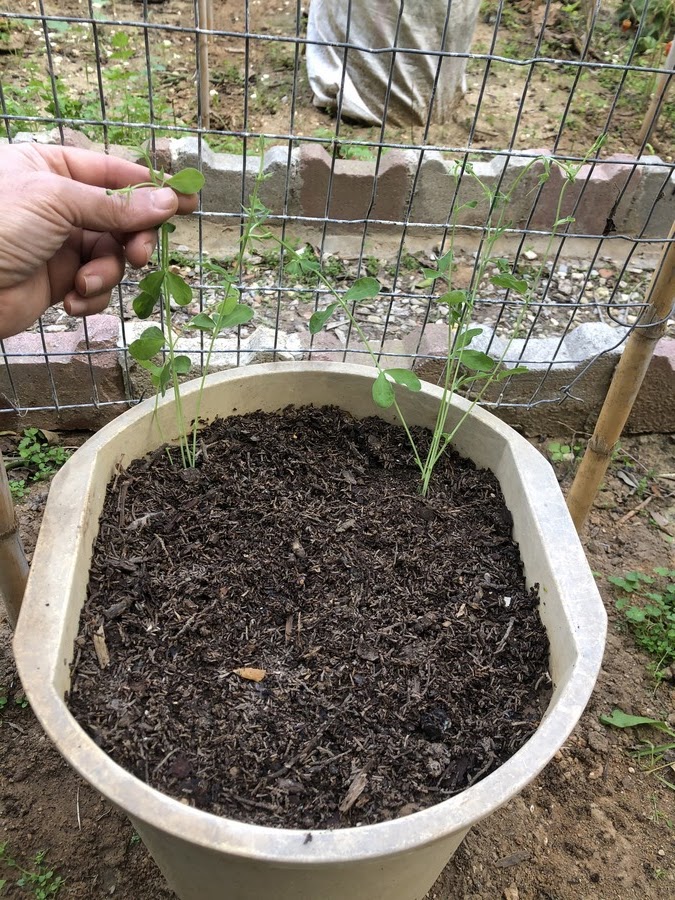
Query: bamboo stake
[(13, 564), (658, 98), (623, 390), (205, 9)]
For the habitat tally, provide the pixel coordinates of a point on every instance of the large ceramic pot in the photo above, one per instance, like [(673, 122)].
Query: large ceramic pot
[(203, 856)]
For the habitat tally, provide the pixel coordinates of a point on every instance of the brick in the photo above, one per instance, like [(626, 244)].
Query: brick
[(279, 189), (654, 408), (352, 197), (163, 157), (72, 373), (652, 209), (570, 370), (223, 172)]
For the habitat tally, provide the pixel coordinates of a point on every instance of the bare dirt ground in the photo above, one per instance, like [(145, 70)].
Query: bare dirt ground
[(563, 107), (594, 825)]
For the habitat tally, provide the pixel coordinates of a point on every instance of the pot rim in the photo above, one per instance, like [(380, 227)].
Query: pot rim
[(37, 662)]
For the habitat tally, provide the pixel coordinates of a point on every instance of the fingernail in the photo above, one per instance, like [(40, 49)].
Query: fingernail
[(75, 307), (93, 284), (149, 247), (163, 200)]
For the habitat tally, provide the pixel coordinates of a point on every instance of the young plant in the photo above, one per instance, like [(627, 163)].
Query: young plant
[(41, 880), (564, 452), (38, 456), (648, 603), (655, 759), (466, 367), (156, 349)]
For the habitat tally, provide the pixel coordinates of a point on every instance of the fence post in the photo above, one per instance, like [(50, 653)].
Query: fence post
[(628, 376)]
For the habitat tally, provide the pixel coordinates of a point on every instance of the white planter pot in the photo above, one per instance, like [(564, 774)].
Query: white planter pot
[(203, 856)]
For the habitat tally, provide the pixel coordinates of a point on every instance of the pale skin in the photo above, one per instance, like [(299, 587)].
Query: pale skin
[(63, 237)]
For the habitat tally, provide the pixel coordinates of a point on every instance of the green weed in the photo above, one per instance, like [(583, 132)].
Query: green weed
[(39, 880), (564, 452), (654, 759), (648, 603), (36, 456)]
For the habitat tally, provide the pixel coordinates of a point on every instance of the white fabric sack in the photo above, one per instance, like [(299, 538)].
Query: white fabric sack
[(372, 25)]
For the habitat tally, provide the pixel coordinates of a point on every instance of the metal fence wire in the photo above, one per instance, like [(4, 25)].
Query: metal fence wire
[(374, 121)]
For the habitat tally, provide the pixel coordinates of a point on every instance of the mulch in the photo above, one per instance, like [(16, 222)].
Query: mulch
[(289, 634)]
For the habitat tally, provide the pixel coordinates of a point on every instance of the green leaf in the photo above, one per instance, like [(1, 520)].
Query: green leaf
[(180, 290), (320, 317), (620, 719), (507, 373), (229, 302), (163, 377), (187, 181), (564, 221), (511, 283), (635, 614), (148, 344), (203, 322), (453, 298), (144, 304), (405, 377), (445, 262), (240, 315), (152, 284), (181, 365), (363, 289), (477, 361), (464, 338), (383, 392), (430, 275)]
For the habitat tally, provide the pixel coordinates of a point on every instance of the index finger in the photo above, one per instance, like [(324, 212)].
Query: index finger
[(101, 170)]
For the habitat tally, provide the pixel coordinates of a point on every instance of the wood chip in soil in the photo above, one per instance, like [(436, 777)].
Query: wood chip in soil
[(295, 637)]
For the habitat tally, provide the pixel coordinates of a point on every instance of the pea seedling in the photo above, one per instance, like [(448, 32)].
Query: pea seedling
[(155, 350), (465, 366)]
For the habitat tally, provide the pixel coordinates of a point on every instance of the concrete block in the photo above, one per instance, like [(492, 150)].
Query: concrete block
[(228, 184), (353, 194), (654, 408), (591, 199), (433, 191), (78, 377), (163, 155), (565, 390), (71, 138), (652, 209), (279, 189)]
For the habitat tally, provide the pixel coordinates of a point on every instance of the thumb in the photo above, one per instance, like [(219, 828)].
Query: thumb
[(94, 209)]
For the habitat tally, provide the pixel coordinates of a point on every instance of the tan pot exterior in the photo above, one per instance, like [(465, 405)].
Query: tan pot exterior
[(203, 856)]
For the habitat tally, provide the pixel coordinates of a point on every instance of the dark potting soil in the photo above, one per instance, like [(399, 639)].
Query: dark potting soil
[(296, 637)]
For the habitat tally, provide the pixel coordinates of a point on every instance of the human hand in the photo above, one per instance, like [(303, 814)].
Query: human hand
[(63, 238)]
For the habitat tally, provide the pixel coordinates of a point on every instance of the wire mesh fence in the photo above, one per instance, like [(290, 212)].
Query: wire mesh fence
[(379, 137)]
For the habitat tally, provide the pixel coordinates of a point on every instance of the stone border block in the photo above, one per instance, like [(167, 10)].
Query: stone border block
[(354, 196), (76, 376), (652, 206), (223, 191), (656, 401), (280, 184), (357, 194)]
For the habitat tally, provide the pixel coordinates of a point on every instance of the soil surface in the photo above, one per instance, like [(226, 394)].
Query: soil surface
[(295, 637), (595, 825)]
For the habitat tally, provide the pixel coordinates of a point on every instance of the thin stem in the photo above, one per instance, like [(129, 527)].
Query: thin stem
[(186, 456)]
